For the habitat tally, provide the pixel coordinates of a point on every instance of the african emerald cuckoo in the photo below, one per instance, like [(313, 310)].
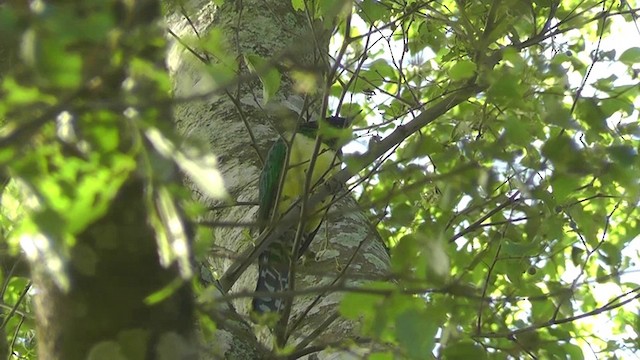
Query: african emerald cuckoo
[(278, 195)]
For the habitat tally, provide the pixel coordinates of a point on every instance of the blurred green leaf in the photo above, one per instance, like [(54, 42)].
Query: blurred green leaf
[(631, 56), (372, 11), (461, 70), (269, 76), (106, 350), (573, 352), (416, 333), (202, 168), (354, 305), (464, 350), (381, 356)]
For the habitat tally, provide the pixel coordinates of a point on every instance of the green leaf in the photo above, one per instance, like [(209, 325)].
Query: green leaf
[(298, 5), (631, 56), (506, 88), (164, 293), (354, 305), (15, 94), (221, 74), (515, 270), (624, 154), (268, 74), (7, 154), (519, 249), (381, 356), (61, 67), (372, 11), (439, 266), (328, 9), (463, 69), (564, 187), (464, 350), (612, 105), (134, 343), (416, 333), (516, 131), (611, 254), (576, 255), (406, 259), (105, 136), (224, 69), (574, 352), (383, 69), (566, 156), (95, 188), (589, 111), (202, 168), (106, 350), (171, 234)]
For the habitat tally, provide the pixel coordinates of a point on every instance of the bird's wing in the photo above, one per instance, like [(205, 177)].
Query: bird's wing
[(270, 180)]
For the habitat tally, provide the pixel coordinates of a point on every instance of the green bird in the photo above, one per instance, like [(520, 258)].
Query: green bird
[(276, 199)]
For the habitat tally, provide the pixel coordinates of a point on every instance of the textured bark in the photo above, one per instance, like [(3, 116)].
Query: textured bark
[(275, 31), (114, 267)]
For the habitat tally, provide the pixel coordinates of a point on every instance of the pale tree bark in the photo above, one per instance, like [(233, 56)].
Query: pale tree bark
[(238, 126)]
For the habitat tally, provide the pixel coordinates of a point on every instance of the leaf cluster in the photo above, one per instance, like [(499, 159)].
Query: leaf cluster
[(513, 211)]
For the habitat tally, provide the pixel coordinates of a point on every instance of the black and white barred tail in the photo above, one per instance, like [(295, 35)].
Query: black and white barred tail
[(273, 277)]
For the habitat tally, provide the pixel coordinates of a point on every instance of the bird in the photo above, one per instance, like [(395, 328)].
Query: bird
[(291, 155)]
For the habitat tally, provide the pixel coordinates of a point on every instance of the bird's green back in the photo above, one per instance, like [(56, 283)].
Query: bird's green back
[(270, 180), (302, 149)]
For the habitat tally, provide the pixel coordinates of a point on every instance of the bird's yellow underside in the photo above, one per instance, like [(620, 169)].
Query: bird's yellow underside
[(296, 176)]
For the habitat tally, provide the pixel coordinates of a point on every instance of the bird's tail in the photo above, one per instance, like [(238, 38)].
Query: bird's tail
[(273, 277)]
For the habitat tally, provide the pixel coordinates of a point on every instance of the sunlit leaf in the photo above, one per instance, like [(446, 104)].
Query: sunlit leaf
[(269, 76), (462, 70), (173, 240), (202, 168), (631, 56)]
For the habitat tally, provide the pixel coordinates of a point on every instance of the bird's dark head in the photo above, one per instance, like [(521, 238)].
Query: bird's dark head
[(338, 122), (334, 130)]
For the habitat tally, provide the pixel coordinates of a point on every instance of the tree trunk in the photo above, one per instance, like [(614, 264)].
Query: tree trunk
[(113, 268), (239, 127)]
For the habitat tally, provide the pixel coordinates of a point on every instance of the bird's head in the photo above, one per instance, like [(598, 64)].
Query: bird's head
[(333, 130)]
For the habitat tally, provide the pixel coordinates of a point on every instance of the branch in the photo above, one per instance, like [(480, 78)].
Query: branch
[(358, 163), (615, 303)]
